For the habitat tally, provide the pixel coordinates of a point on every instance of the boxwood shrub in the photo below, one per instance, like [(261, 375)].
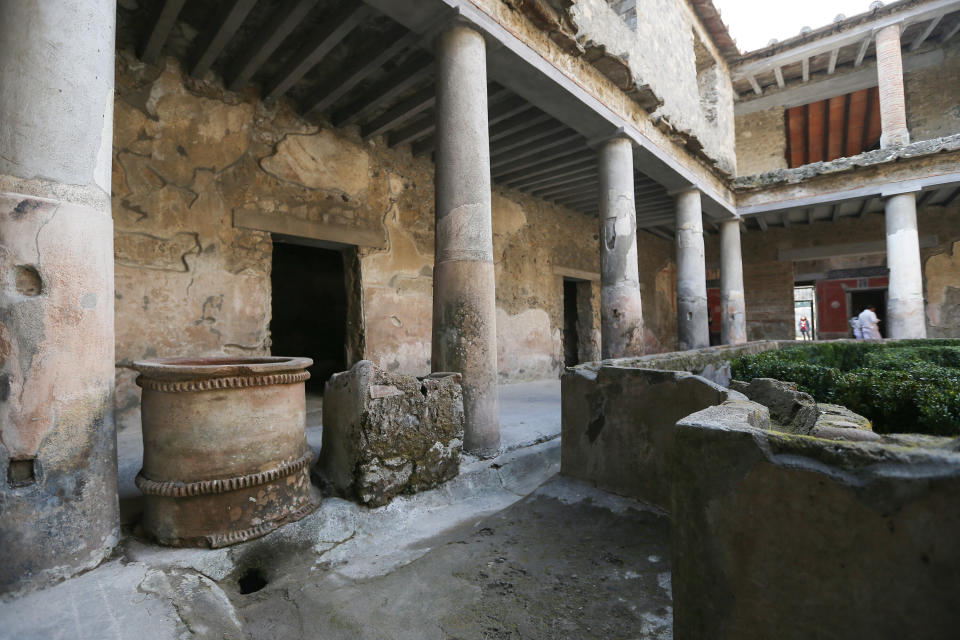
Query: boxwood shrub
[(905, 386)]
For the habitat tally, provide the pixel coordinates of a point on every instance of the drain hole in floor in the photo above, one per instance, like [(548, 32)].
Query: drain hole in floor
[(251, 581)]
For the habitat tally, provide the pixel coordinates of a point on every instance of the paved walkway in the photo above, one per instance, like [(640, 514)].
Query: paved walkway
[(506, 550)]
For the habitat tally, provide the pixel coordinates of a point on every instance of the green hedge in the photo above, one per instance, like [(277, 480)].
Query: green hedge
[(905, 386)]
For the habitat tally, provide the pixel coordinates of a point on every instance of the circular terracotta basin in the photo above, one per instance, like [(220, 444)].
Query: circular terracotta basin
[(225, 455)]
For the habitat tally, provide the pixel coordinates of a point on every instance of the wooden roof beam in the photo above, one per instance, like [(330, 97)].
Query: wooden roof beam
[(952, 32), (316, 49), (166, 18), (401, 113), (778, 74), (282, 25), (408, 76), (920, 39), (212, 42), (862, 51), (396, 43), (832, 65)]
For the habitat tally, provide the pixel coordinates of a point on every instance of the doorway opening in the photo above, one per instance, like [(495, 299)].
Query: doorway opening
[(571, 337), (860, 299), (805, 306), (310, 308)]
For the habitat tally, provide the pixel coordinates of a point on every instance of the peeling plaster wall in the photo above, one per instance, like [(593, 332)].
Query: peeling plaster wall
[(658, 292), (661, 53), (189, 156), (933, 98), (941, 273), (559, 49), (761, 142)]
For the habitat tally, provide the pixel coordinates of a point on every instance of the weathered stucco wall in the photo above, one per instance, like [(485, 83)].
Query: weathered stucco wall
[(190, 158), (933, 98), (669, 51), (761, 142)]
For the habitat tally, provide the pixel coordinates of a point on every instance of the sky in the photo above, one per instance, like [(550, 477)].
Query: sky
[(753, 23)]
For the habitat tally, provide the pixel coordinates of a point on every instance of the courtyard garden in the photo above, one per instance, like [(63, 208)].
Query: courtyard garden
[(908, 386)]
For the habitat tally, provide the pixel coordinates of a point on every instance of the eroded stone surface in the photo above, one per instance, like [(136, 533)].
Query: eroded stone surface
[(791, 410), (386, 433), (618, 420), (762, 518)]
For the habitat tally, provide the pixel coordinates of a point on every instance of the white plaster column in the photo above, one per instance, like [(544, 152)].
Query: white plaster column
[(693, 331), (621, 317), (893, 111), (906, 316), (464, 303), (733, 322), (58, 464)]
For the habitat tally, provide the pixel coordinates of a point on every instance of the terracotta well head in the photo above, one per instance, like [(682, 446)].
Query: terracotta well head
[(191, 368)]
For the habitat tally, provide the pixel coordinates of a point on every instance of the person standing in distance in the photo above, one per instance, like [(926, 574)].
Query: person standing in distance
[(868, 323)]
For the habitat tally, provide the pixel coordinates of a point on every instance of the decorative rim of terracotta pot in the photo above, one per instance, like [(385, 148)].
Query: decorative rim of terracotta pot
[(219, 367)]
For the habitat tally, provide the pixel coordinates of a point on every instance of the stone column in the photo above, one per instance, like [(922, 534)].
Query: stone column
[(621, 318), (693, 331), (905, 309), (733, 322), (893, 112), (58, 461), (464, 304)]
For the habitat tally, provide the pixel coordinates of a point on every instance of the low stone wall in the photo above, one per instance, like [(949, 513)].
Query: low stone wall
[(712, 363), (783, 536), (618, 422)]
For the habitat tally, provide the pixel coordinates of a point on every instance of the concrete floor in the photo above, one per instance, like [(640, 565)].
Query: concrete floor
[(506, 550)]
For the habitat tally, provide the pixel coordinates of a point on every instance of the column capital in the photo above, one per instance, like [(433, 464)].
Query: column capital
[(673, 193), (600, 141), (896, 189)]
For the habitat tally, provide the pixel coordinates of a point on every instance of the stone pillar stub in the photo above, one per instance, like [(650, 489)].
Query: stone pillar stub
[(464, 302), (906, 316), (58, 464), (693, 331), (621, 317), (893, 111), (733, 321)]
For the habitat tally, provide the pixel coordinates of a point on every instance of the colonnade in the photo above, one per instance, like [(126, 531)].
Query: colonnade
[(58, 489), (464, 311)]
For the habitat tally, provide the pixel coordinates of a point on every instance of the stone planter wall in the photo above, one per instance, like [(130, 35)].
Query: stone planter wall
[(712, 363), (618, 422), (791, 537)]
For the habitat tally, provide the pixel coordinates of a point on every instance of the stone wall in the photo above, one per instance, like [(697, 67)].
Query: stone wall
[(618, 421), (761, 142), (190, 159), (860, 533), (670, 52), (933, 98)]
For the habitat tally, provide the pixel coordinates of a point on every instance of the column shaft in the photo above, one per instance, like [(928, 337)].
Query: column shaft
[(693, 331), (893, 110), (621, 318), (733, 323), (464, 303), (905, 310), (58, 466)]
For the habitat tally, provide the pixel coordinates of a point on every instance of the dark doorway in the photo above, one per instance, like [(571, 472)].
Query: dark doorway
[(860, 300), (310, 309), (571, 339)]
